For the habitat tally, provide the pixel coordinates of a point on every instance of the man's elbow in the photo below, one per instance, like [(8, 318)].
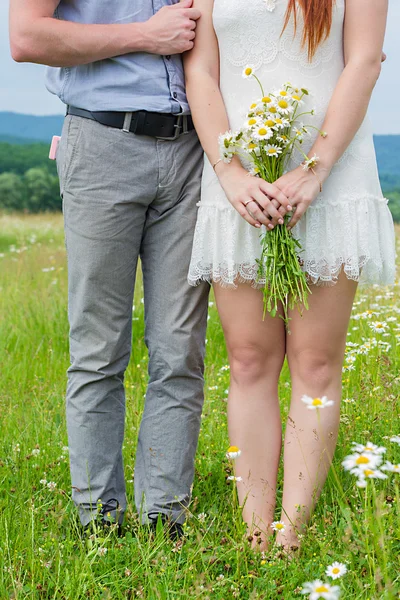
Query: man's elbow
[(22, 48)]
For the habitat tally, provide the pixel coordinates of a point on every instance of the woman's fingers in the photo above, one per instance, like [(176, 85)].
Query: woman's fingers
[(254, 208), (272, 190), (243, 212), (298, 213)]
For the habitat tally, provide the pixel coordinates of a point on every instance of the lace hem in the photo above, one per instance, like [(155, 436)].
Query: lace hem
[(357, 238)]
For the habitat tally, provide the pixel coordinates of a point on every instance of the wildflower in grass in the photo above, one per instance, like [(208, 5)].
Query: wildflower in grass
[(378, 326), (102, 551), (317, 589), (35, 452), (369, 447), (359, 461), (314, 403), (43, 482), (51, 485), (233, 452), (336, 570), (365, 474), (388, 466), (233, 478), (202, 517), (278, 526), (395, 439)]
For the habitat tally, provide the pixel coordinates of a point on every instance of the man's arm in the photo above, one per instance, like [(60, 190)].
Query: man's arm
[(36, 36)]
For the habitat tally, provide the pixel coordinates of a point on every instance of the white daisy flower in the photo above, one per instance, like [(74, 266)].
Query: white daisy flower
[(248, 71), (284, 107), (310, 163), (336, 570), (263, 133), (278, 526), (361, 461), (272, 150), (368, 474), (233, 478), (314, 403), (226, 146), (369, 447), (296, 98), (395, 439), (388, 466), (233, 452), (318, 589), (378, 326)]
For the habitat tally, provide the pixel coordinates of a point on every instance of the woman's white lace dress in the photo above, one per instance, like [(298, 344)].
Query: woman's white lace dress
[(349, 224)]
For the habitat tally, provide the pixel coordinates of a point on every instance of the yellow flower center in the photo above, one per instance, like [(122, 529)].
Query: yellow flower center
[(271, 151), (251, 146), (296, 97), (278, 121), (262, 131), (368, 472), (279, 526), (266, 100), (283, 93), (321, 588), (248, 71), (252, 122), (362, 460), (283, 104), (335, 571), (270, 123), (253, 105), (272, 109), (379, 325), (233, 449), (317, 402)]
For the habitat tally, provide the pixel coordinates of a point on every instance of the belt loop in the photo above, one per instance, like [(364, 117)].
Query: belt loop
[(127, 122), (185, 128)]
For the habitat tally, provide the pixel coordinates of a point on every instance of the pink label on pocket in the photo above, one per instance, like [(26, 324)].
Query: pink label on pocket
[(53, 148)]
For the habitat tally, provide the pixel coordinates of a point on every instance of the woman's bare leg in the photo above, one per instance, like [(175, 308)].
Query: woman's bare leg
[(315, 350), (256, 351)]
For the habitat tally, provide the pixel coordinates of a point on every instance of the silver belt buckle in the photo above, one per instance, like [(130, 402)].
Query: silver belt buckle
[(178, 126)]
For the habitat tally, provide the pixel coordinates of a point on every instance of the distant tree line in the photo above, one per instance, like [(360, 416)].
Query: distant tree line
[(29, 182)]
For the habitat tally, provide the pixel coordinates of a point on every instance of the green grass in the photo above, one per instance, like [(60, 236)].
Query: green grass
[(41, 555)]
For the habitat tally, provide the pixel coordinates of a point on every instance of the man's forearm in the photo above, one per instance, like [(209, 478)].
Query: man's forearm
[(60, 43)]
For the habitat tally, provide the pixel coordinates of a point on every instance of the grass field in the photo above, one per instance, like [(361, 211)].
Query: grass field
[(41, 554)]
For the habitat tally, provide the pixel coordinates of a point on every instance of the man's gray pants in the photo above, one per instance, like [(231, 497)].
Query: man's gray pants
[(126, 196)]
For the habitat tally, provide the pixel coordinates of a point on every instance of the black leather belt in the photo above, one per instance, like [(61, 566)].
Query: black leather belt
[(159, 125)]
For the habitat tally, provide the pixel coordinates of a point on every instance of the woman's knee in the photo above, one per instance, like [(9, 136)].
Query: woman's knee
[(315, 367), (251, 362)]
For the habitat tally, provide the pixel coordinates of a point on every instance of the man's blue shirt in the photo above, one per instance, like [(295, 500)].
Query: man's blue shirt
[(137, 81)]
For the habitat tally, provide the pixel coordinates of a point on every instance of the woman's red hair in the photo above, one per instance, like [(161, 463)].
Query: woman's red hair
[(317, 15)]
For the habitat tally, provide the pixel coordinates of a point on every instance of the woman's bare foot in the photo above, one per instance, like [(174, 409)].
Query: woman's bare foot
[(288, 541)]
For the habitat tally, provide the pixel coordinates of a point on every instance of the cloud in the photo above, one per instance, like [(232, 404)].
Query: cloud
[(23, 87)]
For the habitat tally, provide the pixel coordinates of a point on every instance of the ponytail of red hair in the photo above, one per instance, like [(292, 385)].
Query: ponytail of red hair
[(317, 15)]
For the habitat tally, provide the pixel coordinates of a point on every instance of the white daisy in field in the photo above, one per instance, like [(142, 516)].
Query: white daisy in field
[(360, 461), (369, 447), (272, 150), (263, 133), (278, 526), (395, 439), (378, 326), (233, 452), (248, 71), (388, 466), (364, 474), (318, 589), (336, 570), (233, 478), (315, 403)]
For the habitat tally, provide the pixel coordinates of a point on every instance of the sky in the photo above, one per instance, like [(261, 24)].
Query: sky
[(22, 86)]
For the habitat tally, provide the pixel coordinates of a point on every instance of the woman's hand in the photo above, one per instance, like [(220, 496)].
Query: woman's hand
[(301, 187), (252, 197)]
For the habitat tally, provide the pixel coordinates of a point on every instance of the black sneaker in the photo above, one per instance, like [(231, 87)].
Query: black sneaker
[(102, 522), (173, 529)]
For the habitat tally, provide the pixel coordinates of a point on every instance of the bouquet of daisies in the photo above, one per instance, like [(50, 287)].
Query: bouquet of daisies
[(265, 142)]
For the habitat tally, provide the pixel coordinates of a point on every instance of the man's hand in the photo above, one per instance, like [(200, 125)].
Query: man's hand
[(172, 29)]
